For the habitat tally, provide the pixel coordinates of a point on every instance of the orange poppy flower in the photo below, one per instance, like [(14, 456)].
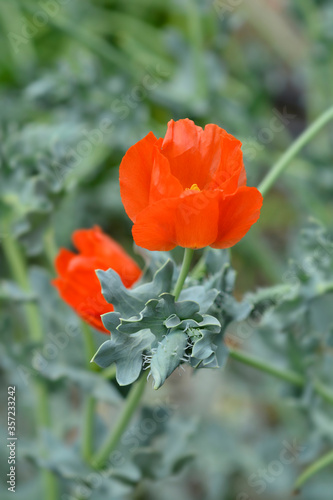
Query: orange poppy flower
[(78, 284), (188, 189)]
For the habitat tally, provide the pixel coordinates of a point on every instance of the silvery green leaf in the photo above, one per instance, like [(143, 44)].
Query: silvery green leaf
[(151, 317), (153, 262), (10, 291), (216, 260), (205, 321), (224, 280), (126, 352), (161, 282), (271, 295), (128, 302), (90, 382), (236, 311), (114, 292), (168, 356), (205, 298), (156, 313), (111, 320), (204, 337), (184, 308), (172, 321), (204, 346), (216, 360)]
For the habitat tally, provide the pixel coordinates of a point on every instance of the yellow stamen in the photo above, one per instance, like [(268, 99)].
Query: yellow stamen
[(194, 187)]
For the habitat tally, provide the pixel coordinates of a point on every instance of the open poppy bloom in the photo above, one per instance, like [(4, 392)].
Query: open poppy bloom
[(78, 284), (188, 189)]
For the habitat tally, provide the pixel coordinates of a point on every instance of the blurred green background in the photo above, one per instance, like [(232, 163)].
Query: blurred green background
[(83, 80)]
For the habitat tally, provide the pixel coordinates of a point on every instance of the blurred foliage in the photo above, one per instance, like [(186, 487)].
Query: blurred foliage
[(81, 81)]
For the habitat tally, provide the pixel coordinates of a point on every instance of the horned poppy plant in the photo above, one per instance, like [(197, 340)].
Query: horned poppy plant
[(77, 282), (188, 189)]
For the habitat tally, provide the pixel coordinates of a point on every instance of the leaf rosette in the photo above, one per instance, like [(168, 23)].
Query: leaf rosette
[(150, 329)]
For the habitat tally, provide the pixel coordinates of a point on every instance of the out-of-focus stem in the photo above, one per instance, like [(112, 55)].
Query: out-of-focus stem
[(313, 469), (19, 272), (292, 151), (125, 417)]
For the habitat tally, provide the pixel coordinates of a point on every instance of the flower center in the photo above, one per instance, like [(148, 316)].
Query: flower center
[(194, 187)]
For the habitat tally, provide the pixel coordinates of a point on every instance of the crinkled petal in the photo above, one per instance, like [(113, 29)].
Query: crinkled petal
[(105, 253), (88, 306), (135, 175), (190, 221), (154, 227), (197, 219), (193, 153), (230, 173), (163, 184), (237, 213), (63, 260)]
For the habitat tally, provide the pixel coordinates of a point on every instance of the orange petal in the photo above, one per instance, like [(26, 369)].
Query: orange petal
[(106, 253), (194, 154), (189, 221), (163, 184), (154, 227), (238, 212), (63, 260), (135, 175), (88, 306), (197, 219), (230, 173)]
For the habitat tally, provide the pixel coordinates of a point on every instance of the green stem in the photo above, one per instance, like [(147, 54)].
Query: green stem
[(283, 374), (194, 23), (323, 391), (88, 428), (18, 268), (259, 364), (313, 469), (188, 254), (90, 402), (137, 390), (292, 151), (50, 247), (128, 410), (89, 345)]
